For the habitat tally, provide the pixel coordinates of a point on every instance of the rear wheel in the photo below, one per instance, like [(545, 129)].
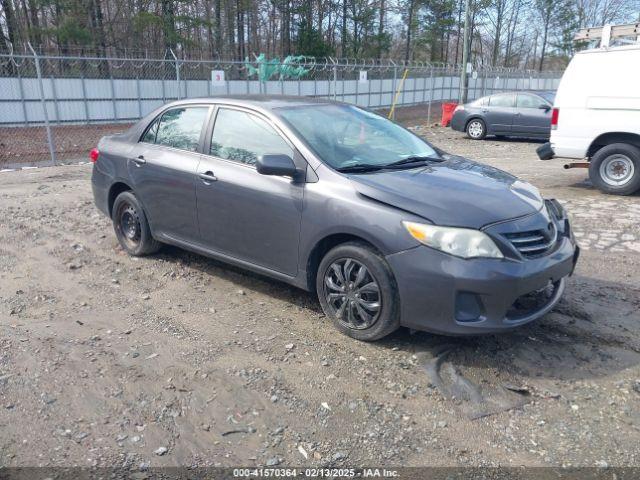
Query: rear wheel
[(476, 129), (357, 291), (615, 169), (131, 226)]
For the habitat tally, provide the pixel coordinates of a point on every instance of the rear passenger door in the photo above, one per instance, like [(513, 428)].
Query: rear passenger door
[(163, 169), (499, 113), (530, 118)]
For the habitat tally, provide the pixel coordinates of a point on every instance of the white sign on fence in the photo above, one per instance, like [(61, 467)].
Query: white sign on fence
[(217, 78), (363, 76)]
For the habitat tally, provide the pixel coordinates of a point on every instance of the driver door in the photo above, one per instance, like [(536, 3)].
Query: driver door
[(241, 213)]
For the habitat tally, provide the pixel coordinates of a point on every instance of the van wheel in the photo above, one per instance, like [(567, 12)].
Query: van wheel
[(131, 226), (615, 169), (476, 129), (357, 292)]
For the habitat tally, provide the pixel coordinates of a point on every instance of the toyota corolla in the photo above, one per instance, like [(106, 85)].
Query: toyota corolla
[(387, 229)]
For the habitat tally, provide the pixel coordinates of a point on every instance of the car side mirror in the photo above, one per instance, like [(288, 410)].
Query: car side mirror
[(544, 107), (276, 164)]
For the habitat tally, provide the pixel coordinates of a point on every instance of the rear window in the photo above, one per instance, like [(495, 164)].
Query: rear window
[(481, 102), (178, 128)]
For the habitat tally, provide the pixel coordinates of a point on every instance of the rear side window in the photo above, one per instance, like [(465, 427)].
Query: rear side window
[(243, 137), (528, 101), (502, 100), (178, 128)]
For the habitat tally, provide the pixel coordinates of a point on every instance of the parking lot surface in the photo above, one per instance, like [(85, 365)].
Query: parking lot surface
[(176, 359)]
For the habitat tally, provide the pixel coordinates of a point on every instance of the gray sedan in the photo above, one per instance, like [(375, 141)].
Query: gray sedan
[(521, 114), (387, 229)]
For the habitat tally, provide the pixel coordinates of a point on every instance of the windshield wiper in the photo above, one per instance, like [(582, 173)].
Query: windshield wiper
[(414, 159), (360, 168)]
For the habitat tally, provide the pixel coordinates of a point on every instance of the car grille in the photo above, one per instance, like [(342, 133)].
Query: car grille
[(534, 243)]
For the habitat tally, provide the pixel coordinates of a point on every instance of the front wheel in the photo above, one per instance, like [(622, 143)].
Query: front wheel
[(476, 129), (357, 291), (131, 226), (615, 169)]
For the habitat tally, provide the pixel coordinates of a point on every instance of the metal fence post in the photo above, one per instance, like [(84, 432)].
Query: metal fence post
[(430, 93), (21, 89), (139, 95), (55, 99), (393, 85), (113, 96), (335, 80), (84, 98), (177, 73), (52, 150)]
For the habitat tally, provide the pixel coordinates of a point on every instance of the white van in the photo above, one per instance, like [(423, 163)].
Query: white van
[(596, 116)]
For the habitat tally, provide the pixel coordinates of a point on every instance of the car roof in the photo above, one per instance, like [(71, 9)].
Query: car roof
[(267, 102), (532, 92)]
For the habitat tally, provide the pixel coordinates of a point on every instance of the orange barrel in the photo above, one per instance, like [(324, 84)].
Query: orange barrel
[(447, 113)]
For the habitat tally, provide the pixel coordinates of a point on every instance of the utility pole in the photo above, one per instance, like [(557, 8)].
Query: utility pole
[(462, 97)]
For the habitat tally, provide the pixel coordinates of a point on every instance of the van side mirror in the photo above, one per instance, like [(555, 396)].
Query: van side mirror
[(276, 164)]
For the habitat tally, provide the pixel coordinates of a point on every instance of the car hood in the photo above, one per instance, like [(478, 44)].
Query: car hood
[(456, 192)]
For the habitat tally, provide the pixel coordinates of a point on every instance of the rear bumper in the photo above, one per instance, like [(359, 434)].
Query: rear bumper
[(444, 294), (458, 121), (545, 151), (100, 185)]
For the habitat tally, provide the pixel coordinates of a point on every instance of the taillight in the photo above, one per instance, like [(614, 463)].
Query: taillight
[(459, 108), (94, 154), (555, 113)]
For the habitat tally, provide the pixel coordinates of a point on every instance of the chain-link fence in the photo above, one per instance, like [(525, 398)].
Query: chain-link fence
[(56, 108)]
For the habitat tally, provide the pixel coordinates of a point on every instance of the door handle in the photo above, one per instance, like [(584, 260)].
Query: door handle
[(207, 177), (139, 160)]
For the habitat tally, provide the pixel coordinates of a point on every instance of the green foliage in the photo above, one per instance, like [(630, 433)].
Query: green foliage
[(71, 31), (310, 42)]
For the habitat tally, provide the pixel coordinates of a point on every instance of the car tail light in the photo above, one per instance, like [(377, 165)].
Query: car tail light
[(555, 114), (94, 154), (459, 108)]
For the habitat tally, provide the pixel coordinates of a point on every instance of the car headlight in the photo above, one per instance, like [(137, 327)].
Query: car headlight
[(461, 242)]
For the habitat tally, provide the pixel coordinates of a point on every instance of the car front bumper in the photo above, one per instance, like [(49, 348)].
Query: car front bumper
[(449, 295)]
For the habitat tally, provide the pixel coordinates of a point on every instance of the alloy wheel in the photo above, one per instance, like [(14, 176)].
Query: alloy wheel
[(352, 293), (475, 129)]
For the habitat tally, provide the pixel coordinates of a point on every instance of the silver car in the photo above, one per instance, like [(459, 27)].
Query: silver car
[(386, 228)]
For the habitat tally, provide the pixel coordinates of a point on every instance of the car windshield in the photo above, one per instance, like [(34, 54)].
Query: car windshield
[(548, 96), (349, 138)]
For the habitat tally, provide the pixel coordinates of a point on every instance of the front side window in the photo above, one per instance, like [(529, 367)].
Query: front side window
[(178, 128), (242, 137), (502, 100), (528, 101), (344, 136)]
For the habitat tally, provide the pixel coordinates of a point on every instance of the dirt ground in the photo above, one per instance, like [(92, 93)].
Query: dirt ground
[(175, 359)]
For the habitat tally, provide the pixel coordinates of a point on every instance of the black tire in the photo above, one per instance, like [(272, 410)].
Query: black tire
[(359, 296), (131, 226), (476, 129), (615, 169)]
